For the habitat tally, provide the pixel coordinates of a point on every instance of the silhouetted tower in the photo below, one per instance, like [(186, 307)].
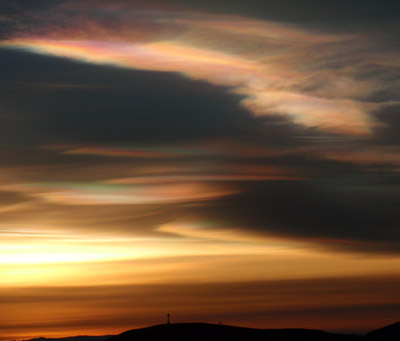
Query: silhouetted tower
[(168, 322)]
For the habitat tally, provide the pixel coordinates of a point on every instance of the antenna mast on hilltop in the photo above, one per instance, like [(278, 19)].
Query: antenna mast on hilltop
[(168, 322)]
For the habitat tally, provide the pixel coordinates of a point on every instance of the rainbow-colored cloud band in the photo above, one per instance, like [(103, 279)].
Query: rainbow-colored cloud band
[(279, 70)]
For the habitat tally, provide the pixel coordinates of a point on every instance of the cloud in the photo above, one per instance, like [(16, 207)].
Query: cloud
[(247, 188), (343, 214), (117, 194), (374, 155), (112, 105), (278, 69)]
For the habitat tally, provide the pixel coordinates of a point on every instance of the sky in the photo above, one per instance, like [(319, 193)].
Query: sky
[(235, 162)]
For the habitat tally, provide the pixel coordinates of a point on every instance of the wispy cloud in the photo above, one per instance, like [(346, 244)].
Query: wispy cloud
[(317, 80), (109, 194), (374, 155)]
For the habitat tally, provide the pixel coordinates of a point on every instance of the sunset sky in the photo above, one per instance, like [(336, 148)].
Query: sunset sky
[(235, 162)]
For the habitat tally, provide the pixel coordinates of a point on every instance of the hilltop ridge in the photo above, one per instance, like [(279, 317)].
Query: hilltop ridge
[(218, 332)]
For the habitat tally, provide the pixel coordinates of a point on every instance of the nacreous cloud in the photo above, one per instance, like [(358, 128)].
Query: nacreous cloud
[(317, 80)]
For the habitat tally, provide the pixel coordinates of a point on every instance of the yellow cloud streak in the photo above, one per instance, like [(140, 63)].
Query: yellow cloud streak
[(180, 251), (197, 263), (99, 194)]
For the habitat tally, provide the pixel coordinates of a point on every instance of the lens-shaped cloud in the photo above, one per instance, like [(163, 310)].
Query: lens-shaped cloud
[(103, 194)]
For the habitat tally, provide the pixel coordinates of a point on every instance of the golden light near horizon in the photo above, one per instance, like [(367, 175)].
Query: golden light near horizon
[(183, 247)]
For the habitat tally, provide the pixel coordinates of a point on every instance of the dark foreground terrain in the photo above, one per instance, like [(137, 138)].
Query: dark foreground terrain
[(214, 332)]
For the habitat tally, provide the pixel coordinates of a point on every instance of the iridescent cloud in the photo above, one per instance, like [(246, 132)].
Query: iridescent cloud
[(117, 194), (375, 155), (278, 69), (131, 151)]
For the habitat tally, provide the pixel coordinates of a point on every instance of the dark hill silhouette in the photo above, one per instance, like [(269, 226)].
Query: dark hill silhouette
[(217, 332), (74, 338), (214, 332), (391, 332)]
